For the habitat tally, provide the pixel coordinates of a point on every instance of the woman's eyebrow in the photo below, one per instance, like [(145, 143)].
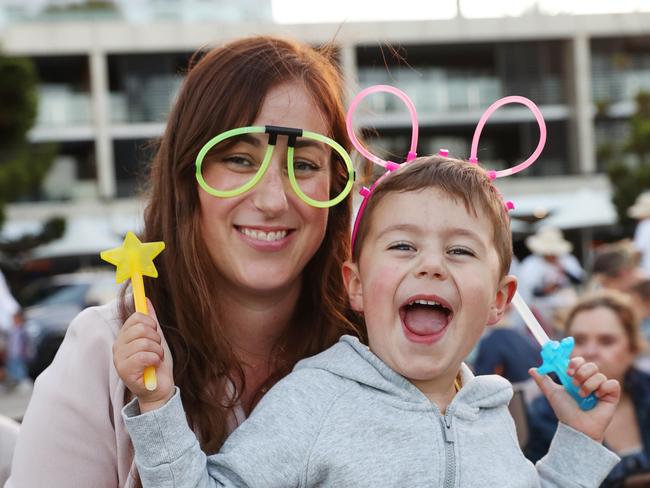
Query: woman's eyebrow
[(303, 143), (250, 139)]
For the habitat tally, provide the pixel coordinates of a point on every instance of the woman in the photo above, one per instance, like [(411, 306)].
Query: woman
[(247, 285), (606, 332)]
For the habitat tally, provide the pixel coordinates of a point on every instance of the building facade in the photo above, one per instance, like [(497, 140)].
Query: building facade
[(109, 78)]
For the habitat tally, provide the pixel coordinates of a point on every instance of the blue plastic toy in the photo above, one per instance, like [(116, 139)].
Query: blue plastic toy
[(555, 359)]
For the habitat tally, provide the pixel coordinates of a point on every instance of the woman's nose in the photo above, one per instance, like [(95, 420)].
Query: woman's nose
[(269, 195), (589, 351)]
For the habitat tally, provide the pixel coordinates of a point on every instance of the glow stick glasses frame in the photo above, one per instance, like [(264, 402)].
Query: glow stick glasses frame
[(273, 132)]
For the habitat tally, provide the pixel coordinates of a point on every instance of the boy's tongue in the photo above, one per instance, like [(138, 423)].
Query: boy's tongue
[(424, 320)]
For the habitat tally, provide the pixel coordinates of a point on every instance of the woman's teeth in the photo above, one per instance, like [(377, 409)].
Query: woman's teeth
[(260, 235)]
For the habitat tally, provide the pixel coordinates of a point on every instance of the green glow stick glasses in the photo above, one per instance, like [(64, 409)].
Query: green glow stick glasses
[(234, 161)]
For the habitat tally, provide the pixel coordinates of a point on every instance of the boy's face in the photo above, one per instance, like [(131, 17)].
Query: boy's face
[(427, 283)]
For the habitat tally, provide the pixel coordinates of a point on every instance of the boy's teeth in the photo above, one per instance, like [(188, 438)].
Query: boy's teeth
[(260, 235), (425, 302)]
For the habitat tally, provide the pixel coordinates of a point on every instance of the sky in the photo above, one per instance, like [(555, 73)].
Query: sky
[(301, 11)]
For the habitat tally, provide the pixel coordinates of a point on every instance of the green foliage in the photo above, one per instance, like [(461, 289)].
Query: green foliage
[(19, 102), (22, 166), (631, 177), (52, 229), (90, 6)]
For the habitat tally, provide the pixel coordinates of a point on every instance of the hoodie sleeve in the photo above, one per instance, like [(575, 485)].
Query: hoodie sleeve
[(575, 460), (270, 449)]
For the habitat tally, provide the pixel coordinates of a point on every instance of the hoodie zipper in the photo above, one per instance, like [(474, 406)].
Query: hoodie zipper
[(450, 455)]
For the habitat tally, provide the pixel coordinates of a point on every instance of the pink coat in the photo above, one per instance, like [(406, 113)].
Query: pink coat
[(72, 433)]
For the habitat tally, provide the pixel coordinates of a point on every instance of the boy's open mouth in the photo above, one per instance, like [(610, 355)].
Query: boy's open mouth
[(425, 317)]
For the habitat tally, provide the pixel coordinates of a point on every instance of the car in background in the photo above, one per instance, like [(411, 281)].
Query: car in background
[(54, 302)]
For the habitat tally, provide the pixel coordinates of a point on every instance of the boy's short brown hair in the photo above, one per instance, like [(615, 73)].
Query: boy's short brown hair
[(462, 181)]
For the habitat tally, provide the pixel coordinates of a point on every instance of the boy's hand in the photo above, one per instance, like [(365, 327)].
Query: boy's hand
[(589, 379), (140, 343)]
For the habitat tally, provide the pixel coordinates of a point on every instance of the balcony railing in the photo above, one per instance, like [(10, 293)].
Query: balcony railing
[(60, 105)]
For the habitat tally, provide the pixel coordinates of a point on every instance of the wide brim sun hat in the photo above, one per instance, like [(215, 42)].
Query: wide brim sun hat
[(641, 207), (548, 241)]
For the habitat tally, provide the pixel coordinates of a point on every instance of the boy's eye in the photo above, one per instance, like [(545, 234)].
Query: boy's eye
[(401, 246), (461, 251)]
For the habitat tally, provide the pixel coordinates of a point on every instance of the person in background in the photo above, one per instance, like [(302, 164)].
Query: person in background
[(8, 433), (615, 266), (18, 353), (641, 294), (9, 308), (548, 277), (606, 332), (641, 211), (506, 350)]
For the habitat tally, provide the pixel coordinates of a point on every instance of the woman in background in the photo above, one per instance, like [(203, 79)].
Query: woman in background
[(606, 332)]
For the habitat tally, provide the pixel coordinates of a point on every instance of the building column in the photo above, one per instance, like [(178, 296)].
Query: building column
[(101, 121), (581, 78), (349, 71)]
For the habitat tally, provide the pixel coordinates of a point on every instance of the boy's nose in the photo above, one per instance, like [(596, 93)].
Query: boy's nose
[(431, 266)]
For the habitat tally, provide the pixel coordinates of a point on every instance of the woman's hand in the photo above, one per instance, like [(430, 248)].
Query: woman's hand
[(141, 343), (589, 379)]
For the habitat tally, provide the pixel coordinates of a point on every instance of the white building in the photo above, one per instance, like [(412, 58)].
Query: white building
[(108, 78)]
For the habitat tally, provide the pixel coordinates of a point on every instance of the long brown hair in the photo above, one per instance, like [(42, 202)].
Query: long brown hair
[(225, 89)]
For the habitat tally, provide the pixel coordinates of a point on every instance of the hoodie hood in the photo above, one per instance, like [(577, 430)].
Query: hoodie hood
[(351, 360)]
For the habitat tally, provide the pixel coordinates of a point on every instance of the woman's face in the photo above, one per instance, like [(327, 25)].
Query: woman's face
[(600, 337), (260, 241)]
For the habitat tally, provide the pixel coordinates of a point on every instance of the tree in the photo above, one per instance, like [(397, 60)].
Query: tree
[(630, 175), (22, 166)]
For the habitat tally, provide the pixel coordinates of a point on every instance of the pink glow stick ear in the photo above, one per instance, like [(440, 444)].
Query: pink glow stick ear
[(414, 122), (484, 118), (388, 165)]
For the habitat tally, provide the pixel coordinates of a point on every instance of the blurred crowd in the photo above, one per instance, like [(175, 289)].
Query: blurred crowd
[(606, 308)]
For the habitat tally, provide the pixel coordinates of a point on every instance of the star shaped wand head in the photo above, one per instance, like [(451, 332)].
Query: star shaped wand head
[(133, 257)]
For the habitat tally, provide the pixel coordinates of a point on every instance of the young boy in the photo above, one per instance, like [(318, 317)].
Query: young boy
[(428, 273)]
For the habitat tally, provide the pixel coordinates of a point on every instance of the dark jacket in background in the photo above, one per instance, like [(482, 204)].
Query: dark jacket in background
[(542, 425), (508, 353)]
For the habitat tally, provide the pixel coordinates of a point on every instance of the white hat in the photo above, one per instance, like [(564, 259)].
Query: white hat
[(641, 208), (548, 241)]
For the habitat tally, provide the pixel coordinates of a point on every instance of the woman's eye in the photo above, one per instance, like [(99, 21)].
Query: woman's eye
[(305, 166), (607, 341), (238, 161)]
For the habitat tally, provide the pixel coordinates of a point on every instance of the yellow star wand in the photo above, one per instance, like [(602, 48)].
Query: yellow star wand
[(134, 259)]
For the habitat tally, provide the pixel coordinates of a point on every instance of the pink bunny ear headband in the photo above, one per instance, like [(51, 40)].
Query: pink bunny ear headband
[(391, 166)]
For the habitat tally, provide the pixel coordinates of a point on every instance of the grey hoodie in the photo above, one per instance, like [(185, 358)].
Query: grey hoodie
[(343, 418)]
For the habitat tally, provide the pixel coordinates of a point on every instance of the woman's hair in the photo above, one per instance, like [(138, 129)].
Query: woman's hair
[(225, 89), (465, 182), (642, 289), (619, 303)]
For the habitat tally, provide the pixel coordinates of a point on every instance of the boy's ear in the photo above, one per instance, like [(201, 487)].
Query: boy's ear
[(505, 292), (352, 281)]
